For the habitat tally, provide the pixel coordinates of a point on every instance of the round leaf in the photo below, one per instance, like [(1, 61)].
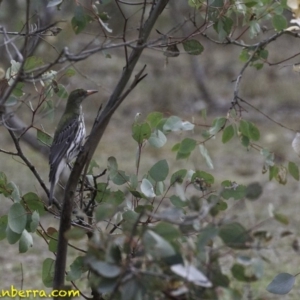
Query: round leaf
[(281, 284), (17, 218), (192, 47), (157, 139), (159, 171), (25, 241), (147, 188), (48, 272)]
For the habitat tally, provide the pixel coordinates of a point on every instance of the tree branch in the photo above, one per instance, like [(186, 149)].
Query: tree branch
[(90, 146)]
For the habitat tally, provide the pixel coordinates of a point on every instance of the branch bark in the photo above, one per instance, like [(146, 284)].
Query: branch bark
[(98, 129)]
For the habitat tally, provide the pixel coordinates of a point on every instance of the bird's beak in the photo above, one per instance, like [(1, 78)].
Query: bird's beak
[(90, 92)]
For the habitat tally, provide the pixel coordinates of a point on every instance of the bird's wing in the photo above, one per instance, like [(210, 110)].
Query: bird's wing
[(60, 145)]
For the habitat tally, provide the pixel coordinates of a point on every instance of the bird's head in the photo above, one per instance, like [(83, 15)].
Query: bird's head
[(77, 96)]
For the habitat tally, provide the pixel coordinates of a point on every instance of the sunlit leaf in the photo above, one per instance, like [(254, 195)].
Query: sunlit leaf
[(147, 188), (191, 274), (205, 154), (157, 139)]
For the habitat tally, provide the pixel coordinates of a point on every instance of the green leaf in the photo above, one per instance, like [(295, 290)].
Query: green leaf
[(43, 137), (52, 246), (93, 164), (167, 231), (273, 172), (177, 201), (3, 226), (35, 219), (32, 62), (253, 191), (208, 178), (18, 90), (33, 201), (104, 211), (238, 271), (263, 53), (141, 132), (192, 47), (48, 272), (70, 72), (75, 233), (281, 218), (17, 218), (187, 145), (79, 20), (120, 178), (195, 3), (218, 124), (25, 241), (235, 236), (234, 191), (130, 216), (178, 176), (15, 195), (143, 208), (279, 22), (62, 92), (253, 132), (205, 154), (157, 139), (244, 55), (156, 245), (77, 268), (105, 269), (205, 236), (250, 4), (116, 198), (174, 123), (281, 284), (11, 236), (4, 188), (159, 171), (293, 170), (254, 28), (228, 134), (245, 141), (244, 128)]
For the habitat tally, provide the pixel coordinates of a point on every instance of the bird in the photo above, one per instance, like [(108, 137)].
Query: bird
[(68, 137)]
